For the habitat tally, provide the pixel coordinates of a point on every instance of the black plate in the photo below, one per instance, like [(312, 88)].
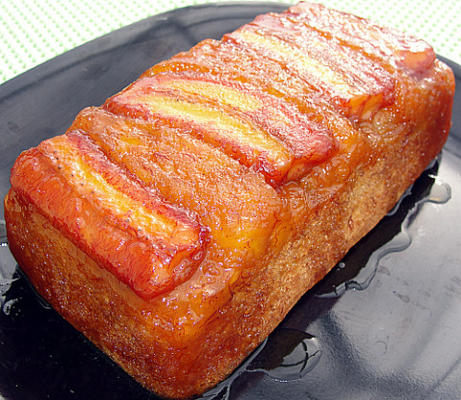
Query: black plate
[(385, 324)]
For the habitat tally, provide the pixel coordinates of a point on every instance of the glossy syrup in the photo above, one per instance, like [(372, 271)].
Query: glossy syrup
[(8, 272), (285, 356), (439, 193), (289, 354)]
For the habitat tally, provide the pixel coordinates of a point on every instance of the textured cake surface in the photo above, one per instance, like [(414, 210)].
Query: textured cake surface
[(177, 224)]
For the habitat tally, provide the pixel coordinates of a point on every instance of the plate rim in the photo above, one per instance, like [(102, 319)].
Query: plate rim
[(18, 79), (11, 85)]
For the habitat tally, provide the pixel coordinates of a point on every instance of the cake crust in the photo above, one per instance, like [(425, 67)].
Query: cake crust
[(256, 223)]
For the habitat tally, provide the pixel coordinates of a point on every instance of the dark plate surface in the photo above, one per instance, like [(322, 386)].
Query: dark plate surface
[(390, 330)]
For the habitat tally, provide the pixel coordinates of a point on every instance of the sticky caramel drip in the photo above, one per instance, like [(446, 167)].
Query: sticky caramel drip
[(148, 244), (325, 67), (222, 128), (231, 61), (390, 48), (156, 153), (90, 176), (256, 129)]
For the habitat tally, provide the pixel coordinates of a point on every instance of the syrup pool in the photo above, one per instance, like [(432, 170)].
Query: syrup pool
[(357, 270), (8, 273), (290, 354), (286, 355)]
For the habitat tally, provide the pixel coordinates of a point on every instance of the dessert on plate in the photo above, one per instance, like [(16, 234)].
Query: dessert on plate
[(177, 224)]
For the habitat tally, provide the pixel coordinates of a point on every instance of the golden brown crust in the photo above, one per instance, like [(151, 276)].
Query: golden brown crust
[(238, 327), (270, 238)]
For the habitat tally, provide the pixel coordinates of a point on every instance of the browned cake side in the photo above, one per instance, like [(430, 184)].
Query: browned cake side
[(176, 225)]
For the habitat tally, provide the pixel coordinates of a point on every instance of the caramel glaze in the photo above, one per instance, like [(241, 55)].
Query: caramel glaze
[(239, 194)]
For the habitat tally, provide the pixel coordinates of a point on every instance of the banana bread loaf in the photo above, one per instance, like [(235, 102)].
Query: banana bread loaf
[(178, 223)]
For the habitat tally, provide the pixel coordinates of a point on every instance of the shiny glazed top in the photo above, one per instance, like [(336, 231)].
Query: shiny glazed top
[(203, 164)]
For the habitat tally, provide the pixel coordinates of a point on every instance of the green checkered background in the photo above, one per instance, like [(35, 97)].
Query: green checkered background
[(34, 31)]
